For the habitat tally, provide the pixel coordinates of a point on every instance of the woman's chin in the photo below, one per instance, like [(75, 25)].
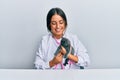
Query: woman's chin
[(58, 35)]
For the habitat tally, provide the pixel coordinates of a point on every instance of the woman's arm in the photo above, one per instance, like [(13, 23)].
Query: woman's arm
[(73, 58), (56, 60), (81, 53)]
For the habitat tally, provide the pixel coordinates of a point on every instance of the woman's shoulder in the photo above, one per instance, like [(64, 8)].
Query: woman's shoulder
[(45, 38)]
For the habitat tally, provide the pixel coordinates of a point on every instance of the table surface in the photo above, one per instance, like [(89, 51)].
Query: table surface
[(86, 74)]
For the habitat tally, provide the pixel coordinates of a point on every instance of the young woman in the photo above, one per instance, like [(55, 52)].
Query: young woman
[(45, 56)]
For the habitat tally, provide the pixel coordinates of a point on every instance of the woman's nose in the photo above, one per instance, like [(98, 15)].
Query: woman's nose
[(58, 25)]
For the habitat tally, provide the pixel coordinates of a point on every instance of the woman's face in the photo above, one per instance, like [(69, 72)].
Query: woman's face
[(57, 26)]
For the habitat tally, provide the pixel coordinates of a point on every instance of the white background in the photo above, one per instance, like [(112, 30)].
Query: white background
[(95, 22)]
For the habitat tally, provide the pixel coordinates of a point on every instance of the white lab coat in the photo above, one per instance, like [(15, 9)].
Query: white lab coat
[(48, 46)]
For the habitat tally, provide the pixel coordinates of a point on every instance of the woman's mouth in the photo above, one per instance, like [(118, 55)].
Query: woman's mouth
[(58, 30)]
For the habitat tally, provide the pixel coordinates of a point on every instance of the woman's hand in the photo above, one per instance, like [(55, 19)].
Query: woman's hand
[(70, 55), (63, 50), (73, 57), (56, 60)]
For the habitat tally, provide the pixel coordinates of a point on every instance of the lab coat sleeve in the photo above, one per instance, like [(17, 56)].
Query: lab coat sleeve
[(81, 52), (40, 62)]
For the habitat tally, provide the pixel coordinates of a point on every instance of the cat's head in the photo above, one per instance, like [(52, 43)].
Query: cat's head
[(65, 42)]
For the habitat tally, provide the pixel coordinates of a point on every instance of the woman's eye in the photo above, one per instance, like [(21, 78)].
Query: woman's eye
[(53, 23), (61, 22)]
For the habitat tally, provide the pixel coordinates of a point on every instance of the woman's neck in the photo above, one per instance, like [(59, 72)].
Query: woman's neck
[(57, 37)]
